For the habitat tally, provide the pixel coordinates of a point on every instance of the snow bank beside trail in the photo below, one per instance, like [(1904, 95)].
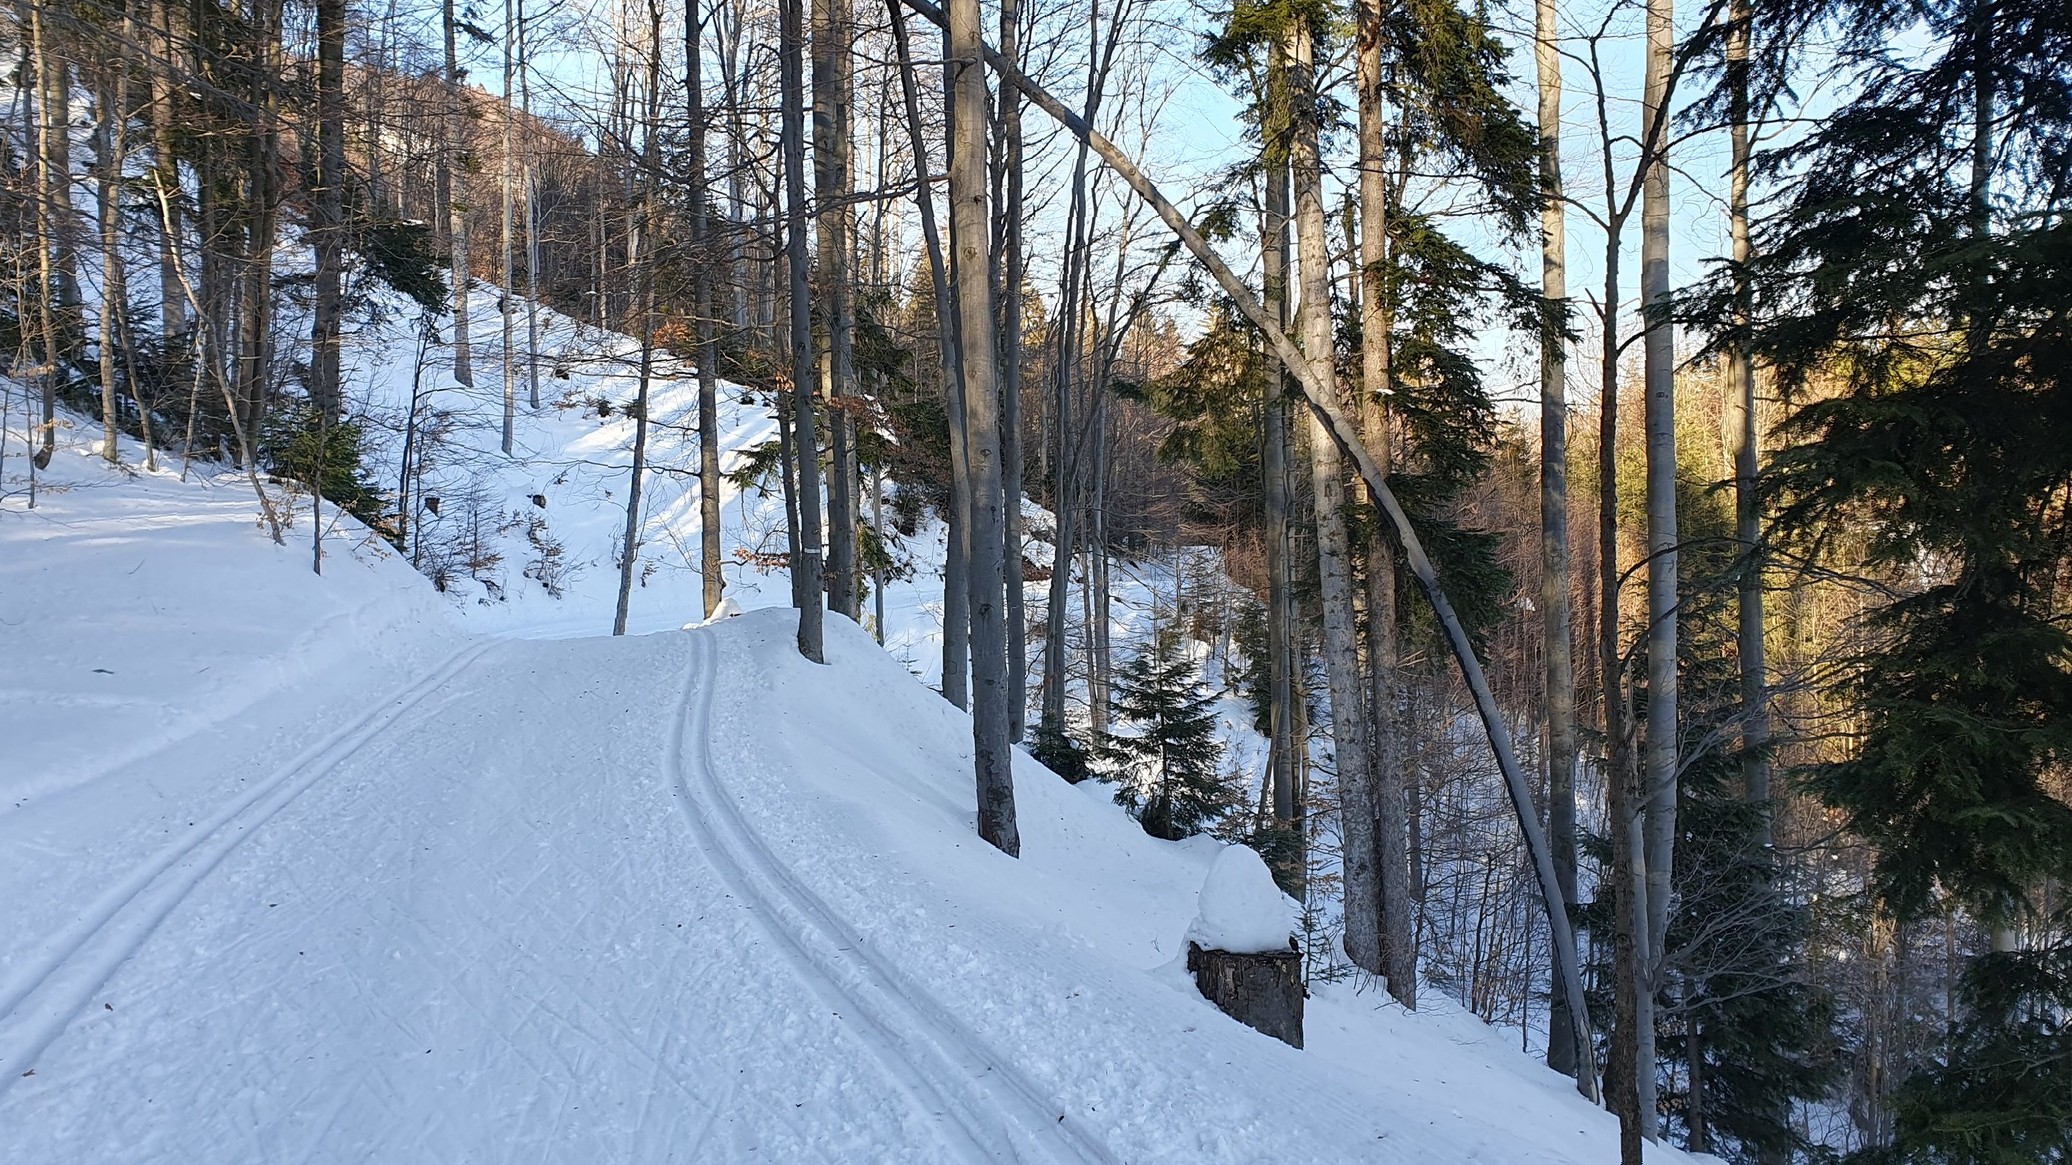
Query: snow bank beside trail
[(1242, 911), (1060, 964)]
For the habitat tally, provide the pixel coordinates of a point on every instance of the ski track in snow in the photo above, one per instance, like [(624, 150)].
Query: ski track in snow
[(58, 981), (999, 1115)]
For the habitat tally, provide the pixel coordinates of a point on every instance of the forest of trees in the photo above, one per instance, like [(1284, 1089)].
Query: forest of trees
[(1675, 664)]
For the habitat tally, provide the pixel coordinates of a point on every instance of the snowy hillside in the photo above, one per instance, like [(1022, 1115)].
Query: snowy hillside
[(300, 872)]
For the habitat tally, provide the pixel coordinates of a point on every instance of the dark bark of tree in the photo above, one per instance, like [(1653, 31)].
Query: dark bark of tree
[(832, 87), (805, 438), (327, 212), (1010, 306)]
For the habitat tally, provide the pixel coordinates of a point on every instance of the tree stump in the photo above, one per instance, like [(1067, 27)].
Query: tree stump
[(1262, 991)]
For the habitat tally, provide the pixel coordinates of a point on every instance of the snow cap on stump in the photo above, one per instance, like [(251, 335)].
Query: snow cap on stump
[(1242, 911)]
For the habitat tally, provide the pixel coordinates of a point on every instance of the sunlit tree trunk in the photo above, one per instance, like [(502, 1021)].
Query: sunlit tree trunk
[(985, 538)]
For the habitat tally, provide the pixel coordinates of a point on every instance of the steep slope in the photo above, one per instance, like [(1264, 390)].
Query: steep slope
[(323, 879)]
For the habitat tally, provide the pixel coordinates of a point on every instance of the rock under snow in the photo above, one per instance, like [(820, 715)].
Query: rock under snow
[(1242, 911)]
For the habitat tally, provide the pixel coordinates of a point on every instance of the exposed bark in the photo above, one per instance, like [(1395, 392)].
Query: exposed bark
[(1660, 348), (507, 295), (1349, 704), (832, 86), (165, 173), (714, 577), (1556, 639), (985, 538), (1010, 307), (327, 212), (113, 99), (805, 439), (1391, 913)]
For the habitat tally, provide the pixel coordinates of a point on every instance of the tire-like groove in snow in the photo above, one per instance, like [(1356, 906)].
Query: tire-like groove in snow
[(41, 999), (1001, 1115)]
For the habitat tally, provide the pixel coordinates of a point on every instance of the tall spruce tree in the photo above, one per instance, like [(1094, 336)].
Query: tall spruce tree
[(1911, 296), (1168, 769)]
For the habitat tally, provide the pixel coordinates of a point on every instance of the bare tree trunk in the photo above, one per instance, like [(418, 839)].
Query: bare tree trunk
[(993, 752), (532, 239), (261, 214), (702, 306), (113, 100), (165, 170), (805, 439), (833, 84), (1349, 705), (1010, 305), (327, 214), (1397, 947), (1660, 757), (640, 256), (454, 202), (1556, 640), (1660, 344), (509, 290)]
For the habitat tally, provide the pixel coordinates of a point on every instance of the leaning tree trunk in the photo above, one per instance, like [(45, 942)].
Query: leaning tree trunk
[(1556, 640)]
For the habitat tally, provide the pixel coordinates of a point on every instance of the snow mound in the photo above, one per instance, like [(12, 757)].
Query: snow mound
[(1242, 911)]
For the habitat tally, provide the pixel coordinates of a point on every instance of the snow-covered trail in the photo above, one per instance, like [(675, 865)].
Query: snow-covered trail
[(406, 948), (1000, 1115)]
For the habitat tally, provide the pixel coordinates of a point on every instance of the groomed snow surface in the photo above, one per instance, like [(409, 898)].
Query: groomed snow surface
[(308, 868)]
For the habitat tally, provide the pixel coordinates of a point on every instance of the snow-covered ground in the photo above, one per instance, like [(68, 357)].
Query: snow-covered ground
[(299, 867)]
